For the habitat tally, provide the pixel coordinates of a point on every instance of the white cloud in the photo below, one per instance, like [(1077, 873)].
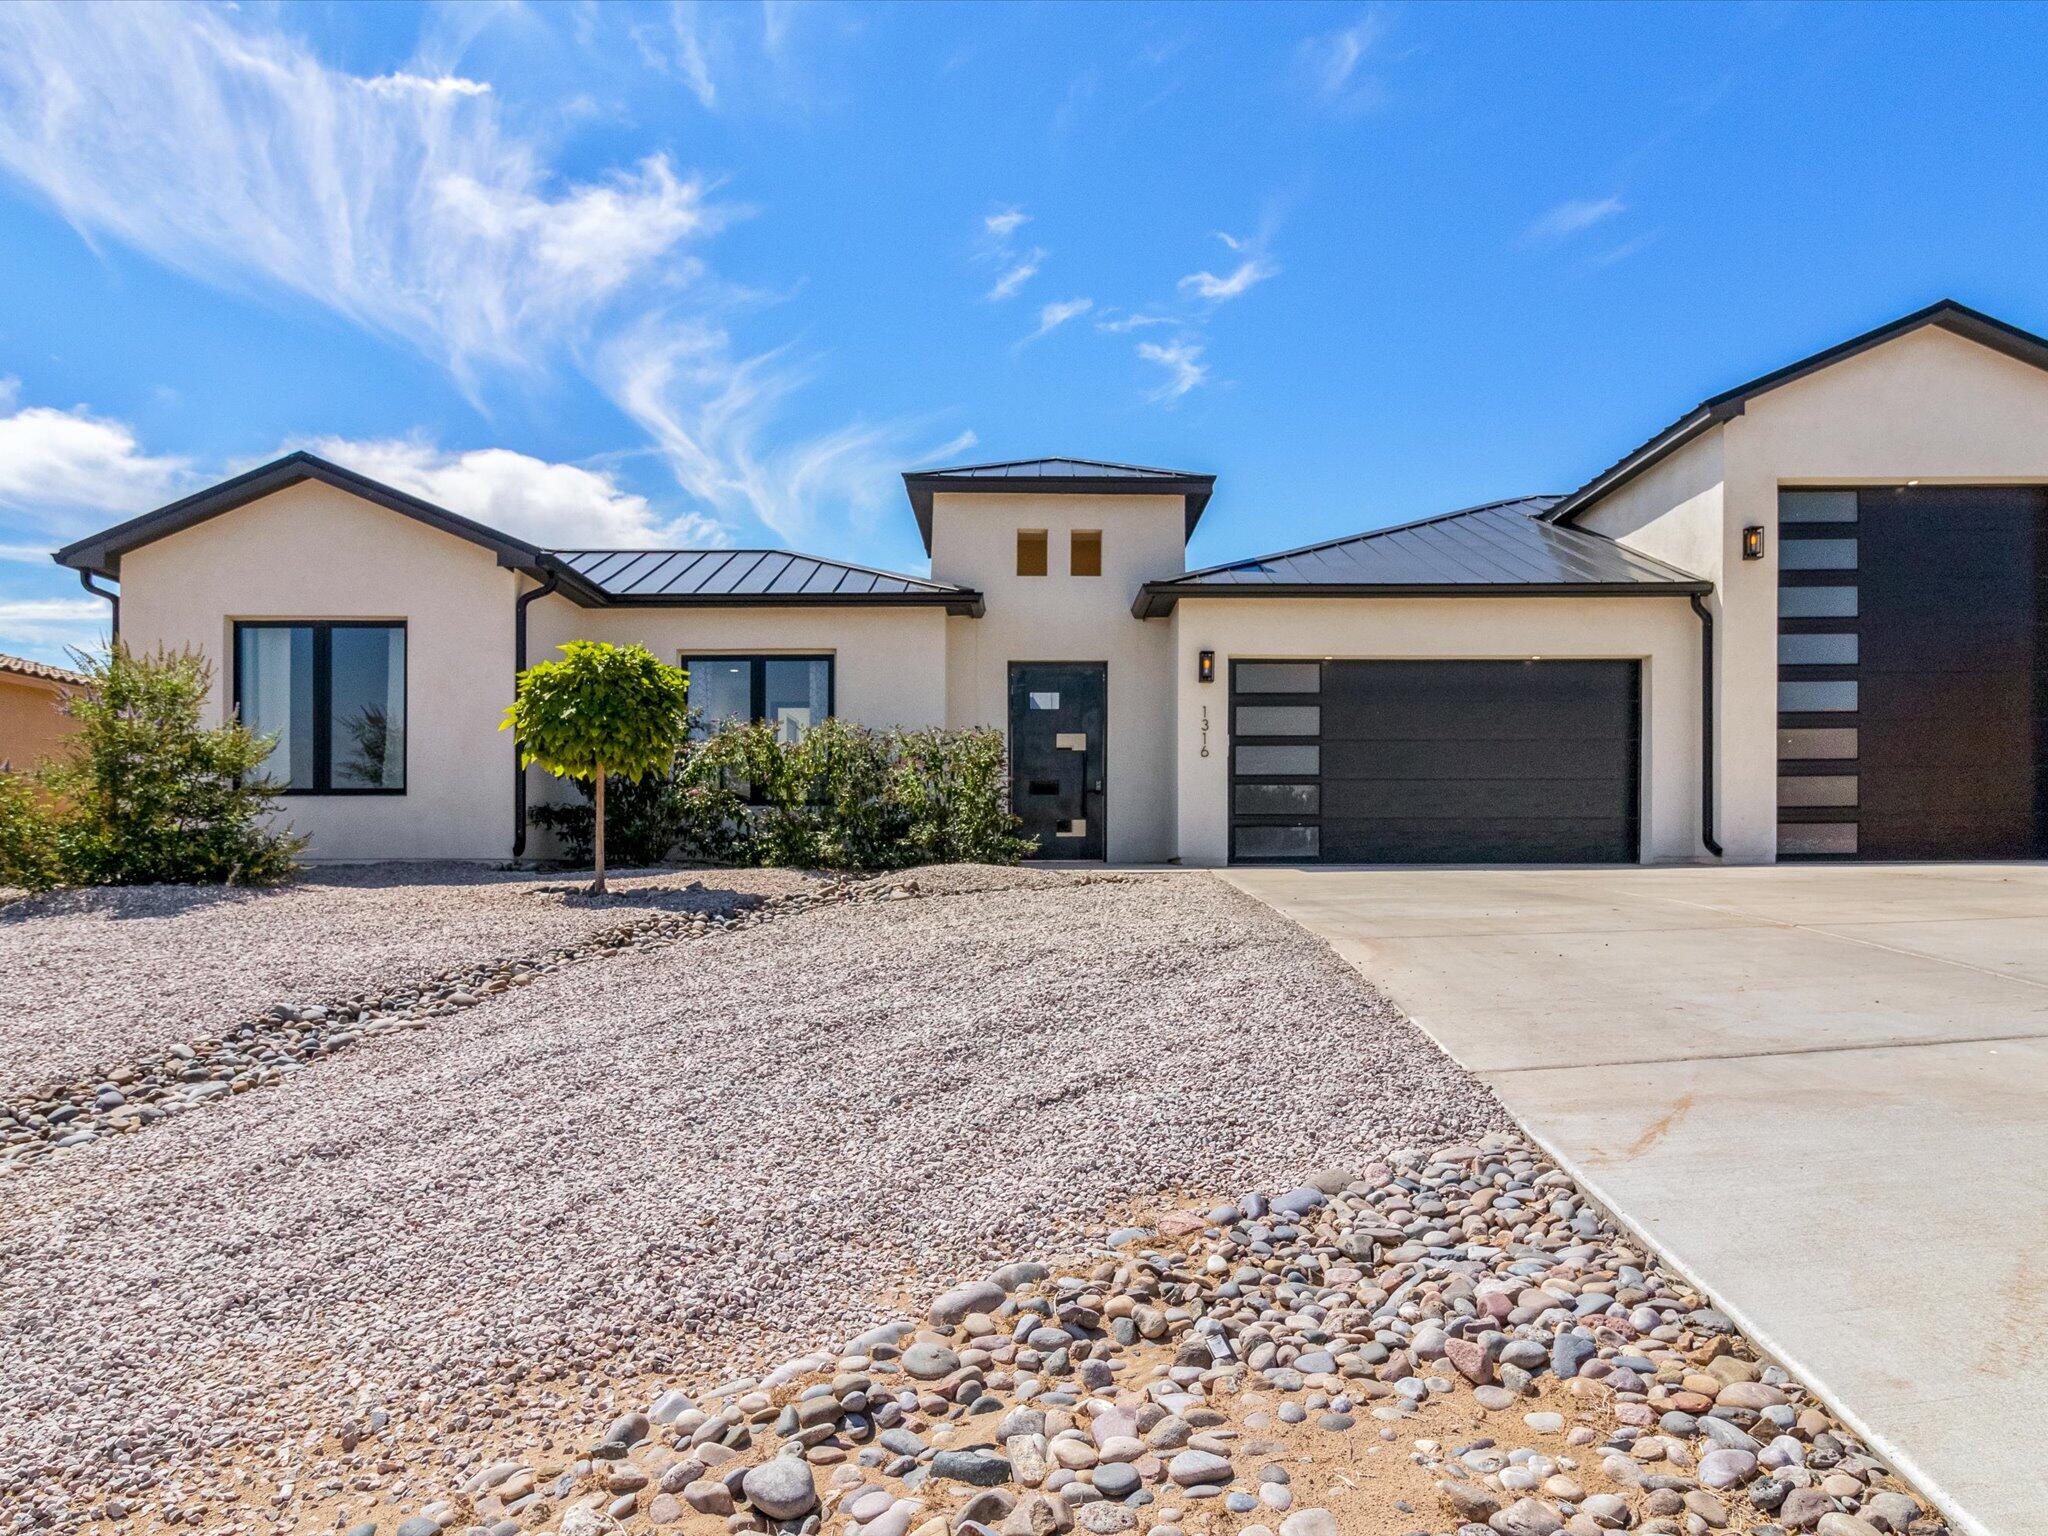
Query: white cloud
[(70, 471), (1135, 321), (25, 554), (399, 82), (47, 627), (233, 154), (1183, 363), (1331, 62), (1052, 316), (1570, 217), (1017, 276), (692, 57), (710, 411), (1215, 290), (224, 148), (1001, 226), (562, 506)]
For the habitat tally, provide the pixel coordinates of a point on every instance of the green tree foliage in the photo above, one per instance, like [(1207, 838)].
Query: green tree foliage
[(602, 710), (145, 793)]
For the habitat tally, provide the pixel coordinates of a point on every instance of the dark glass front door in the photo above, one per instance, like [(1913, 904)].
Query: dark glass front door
[(1058, 737)]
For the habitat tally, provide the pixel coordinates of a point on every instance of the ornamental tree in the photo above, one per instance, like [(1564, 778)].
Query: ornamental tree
[(602, 710)]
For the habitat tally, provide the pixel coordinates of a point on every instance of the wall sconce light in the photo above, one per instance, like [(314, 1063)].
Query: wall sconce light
[(1205, 667), (1753, 542)]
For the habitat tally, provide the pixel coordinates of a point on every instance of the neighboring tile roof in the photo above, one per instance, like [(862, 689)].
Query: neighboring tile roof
[(1098, 477), (1502, 548), (734, 577), (1948, 315), (21, 666)]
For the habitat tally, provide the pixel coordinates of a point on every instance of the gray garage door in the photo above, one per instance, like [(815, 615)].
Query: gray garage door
[(1435, 762)]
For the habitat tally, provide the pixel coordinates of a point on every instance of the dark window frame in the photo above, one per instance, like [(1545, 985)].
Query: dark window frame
[(323, 701), (757, 675)]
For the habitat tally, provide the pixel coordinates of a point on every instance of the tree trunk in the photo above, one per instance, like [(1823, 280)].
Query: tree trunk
[(597, 887)]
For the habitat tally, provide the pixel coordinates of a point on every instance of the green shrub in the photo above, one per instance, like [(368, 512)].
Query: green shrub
[(953, 789), (842, 796), (28, 835), (145, 793)]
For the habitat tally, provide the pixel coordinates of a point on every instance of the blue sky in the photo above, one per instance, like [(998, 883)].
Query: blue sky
[(716, 273)]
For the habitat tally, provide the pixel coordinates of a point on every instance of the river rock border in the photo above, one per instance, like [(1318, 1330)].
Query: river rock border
[(1453, 1340), (258, 1052)]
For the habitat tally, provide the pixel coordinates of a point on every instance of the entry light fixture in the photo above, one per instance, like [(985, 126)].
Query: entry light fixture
[(1753, 542), (1205, 667)]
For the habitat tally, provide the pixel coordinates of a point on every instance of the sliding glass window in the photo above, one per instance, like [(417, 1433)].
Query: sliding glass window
[(333, 694)]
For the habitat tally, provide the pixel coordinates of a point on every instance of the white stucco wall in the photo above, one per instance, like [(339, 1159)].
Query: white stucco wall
[(314, 552), (1929, 406), (1061, 617), (1660, 632)]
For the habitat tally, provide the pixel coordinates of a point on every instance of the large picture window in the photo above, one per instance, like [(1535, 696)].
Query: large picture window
[(333, 694), (792, 692)]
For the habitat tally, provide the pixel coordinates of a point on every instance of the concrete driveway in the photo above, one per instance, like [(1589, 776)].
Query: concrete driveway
[(1820, 1091)]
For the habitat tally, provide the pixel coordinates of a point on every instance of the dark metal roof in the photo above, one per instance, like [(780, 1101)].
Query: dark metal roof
[(1500, 549), (1971, 324), (101, 552), (1097, 477), (745, 577)]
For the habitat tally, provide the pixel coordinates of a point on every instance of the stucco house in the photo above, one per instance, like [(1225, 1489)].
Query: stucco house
[(33, 724), (1805, 620)]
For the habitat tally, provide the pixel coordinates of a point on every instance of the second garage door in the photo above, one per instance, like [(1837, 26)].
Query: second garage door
[(1424, 762)]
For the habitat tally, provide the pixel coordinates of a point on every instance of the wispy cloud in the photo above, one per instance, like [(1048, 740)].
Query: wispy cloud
[(1136, 320), (1005, 223), (1254, 269), (562, 505), (1333, 63), (65, 472), (710, 411), (1017, 275), (232, 153), (1213, 289), (1052, 316), (48, 627), (1570, 217), (693, 61), (1182, 360), (224, 148), (1623, 251)]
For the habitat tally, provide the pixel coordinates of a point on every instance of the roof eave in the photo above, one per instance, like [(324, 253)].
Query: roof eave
[(1946, 314), (963, 603), (101, 553), (1157, 599)]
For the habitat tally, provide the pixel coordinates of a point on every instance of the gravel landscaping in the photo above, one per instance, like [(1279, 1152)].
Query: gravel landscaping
[(95, 978), (644, 1170)]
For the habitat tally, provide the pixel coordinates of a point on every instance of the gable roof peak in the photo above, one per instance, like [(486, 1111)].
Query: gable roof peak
[(1948, 314)]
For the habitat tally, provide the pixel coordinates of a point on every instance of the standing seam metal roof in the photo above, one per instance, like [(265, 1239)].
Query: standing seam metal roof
[(1498, 547), (734, 576)]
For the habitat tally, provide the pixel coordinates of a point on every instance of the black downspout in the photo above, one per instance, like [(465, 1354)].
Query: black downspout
[(1706, 726), (85, 581), (519, 666)]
